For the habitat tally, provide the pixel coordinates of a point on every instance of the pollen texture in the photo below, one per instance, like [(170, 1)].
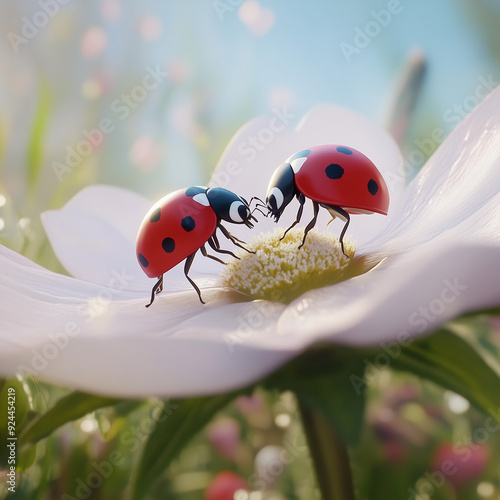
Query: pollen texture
[(281, 271)]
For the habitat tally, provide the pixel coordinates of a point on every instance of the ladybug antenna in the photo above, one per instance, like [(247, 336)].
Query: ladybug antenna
[(258, 199), (260, 204), (257, 208)]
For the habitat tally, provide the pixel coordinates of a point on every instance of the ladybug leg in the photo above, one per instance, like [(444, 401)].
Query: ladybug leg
[(214, 244), (187, 267), (156, 289), (230, 237), (206, 254), (302, 200), (347, 218), (312, 223), (339, 212)]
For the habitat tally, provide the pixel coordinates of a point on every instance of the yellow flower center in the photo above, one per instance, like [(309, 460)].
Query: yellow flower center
[(280, 271)]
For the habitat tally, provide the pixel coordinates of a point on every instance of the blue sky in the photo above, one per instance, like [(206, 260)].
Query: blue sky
[(303, 51), (232, 75)]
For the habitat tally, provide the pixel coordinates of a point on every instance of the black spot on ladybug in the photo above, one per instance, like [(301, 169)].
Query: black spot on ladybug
[(144, 262), (372, 187), (168, 245), (188, 223), (343, 149), (334, 171), (192, 191), (155, 216)]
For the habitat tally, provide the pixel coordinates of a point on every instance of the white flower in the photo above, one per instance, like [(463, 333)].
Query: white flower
[(439, 249)]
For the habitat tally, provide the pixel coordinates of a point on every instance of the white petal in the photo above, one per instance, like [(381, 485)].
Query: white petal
[(461, 178), (105, 341), (94, 235), (412, 293), (248, 162)]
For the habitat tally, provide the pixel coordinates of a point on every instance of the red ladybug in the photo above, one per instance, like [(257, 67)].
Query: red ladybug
[(338, 178), (181, 223)]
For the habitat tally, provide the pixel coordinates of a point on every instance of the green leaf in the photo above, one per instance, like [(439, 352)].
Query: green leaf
[(494, 311), (179, 421), (328, 380), (334, 396), (453, 363), (71, 407), (35, 145)]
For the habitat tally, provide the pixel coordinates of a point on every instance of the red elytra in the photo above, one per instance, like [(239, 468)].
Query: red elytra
[(338, 175), (337, 178), (182, 223), (174, 228)]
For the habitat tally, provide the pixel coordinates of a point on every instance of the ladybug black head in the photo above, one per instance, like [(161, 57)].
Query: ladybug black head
[(280, 191), (230, 207)]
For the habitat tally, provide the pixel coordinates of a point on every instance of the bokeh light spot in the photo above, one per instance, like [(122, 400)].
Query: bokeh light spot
[(94, 41), (88, 424), (485, 489), (177, 71), (258, 19), (91, 89), (183, 121), (249, 12), (457, 404), (150, 27), (145, 153), (282, 420), (111, 10), (241, 495)]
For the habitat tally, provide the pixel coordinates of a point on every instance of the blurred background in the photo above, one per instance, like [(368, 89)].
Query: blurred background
[(146, 95)]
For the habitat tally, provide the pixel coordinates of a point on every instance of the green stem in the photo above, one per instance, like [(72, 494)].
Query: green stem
[(329, 456)]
